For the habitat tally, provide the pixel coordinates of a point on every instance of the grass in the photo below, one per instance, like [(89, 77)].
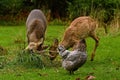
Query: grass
[(106, 65)]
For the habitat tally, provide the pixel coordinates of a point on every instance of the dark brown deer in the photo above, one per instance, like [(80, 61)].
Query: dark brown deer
[(80, 28), (36, 26)]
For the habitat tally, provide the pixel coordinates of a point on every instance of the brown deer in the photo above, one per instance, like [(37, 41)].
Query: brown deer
[(36, 26), (80, 28)]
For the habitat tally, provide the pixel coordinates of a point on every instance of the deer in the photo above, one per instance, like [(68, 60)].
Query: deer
[(80, 28), (36, 25)]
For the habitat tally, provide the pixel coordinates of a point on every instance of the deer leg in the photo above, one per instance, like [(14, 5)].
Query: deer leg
[(96, 45)]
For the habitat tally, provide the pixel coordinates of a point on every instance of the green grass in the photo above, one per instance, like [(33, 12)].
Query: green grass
[(106, 65)]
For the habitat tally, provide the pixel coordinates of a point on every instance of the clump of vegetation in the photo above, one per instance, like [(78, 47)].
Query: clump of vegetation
[(30, 59)]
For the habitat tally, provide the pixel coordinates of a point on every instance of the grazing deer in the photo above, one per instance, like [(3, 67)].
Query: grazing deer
[(72, 60), (80, 28), (36, 26)]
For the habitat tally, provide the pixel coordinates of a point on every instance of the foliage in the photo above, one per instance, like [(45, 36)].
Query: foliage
[(10, 11), (93, 7), (79, 8), (10, 6), (15, 12)]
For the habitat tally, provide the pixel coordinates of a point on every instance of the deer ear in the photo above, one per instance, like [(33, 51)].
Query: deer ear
[(40, 42)]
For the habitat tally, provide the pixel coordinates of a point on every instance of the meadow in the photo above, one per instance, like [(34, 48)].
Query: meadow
[(106, 64)]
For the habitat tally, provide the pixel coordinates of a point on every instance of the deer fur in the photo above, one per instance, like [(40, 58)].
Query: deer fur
[(80, 28), (36, 26)]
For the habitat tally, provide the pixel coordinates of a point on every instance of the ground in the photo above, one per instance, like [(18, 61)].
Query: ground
[(106, 65)]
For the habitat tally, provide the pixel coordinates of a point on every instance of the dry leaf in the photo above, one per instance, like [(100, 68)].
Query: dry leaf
[(90, 77)]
